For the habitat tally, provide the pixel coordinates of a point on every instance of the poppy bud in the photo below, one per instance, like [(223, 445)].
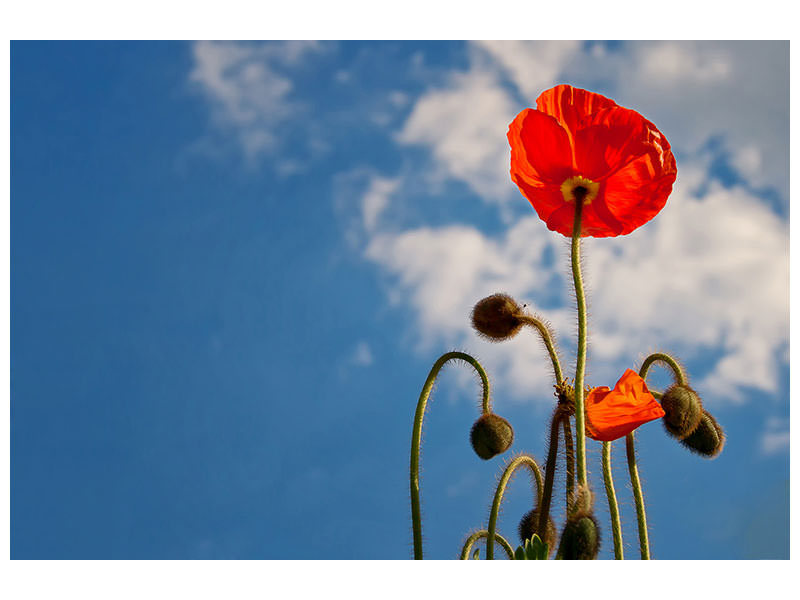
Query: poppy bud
[(496, 317), (529, 525), (708, 439), (491, 435), (683, 410), (581, 539)]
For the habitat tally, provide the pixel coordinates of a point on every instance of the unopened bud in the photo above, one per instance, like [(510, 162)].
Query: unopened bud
[(708, 439), (683, 409), (491, 435), (496, 317), (529, 525), (581, 539)]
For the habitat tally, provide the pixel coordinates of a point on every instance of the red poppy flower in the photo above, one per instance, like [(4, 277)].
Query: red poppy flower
[(612, 414), (581, 143)]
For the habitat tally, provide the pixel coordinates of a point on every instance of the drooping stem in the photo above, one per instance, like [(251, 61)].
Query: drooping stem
[(580, 364), (569, 451), (522, 459), (662, 357), (630, 447), (547, 339), (641, 517), (482, 534), (613, 509), (416, 437), (550, 471)]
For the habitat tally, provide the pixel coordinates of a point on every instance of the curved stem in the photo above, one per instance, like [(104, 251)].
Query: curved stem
[(547, 339), (580, 365), (549, 471), (416, 437), (613, 509), (641, 518), (482, 534), (569, 450), (522, 459), (666, 359)]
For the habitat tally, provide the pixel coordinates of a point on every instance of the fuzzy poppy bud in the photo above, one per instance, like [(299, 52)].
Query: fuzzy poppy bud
[(529, 525), (708, 439), (683, 410), (497, 317), (580, 539), (491, 435)]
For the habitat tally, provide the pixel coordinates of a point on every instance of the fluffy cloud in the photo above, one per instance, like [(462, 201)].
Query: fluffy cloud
[(707, 279), (533, 66), (459, 124), (249, 88), (775, 439), (735, 94)]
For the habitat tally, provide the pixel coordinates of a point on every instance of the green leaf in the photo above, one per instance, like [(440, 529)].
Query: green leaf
[(519, 553), (477, 554), (536, 549)]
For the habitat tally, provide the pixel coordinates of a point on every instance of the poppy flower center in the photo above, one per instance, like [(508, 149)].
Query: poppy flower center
[(579, 188)]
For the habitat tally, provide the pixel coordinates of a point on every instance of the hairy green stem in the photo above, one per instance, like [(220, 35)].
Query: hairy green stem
[(482, 534), (416, 437), (641, 517), (580, 365), (569, 451), (613, 509), (666, 359), (522, 459), (547, 339), (549, 471)]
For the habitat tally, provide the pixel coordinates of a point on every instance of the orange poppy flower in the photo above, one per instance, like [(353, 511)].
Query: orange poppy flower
[(580, 143), (612, 414)]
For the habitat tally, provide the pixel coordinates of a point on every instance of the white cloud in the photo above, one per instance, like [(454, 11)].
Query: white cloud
[(707, 279), (737, 92), (532, 65), (733, 92), (459, 123), (376, 199), (708, 276), (775, 439), (442, 272), (362, 355), (249, 87)]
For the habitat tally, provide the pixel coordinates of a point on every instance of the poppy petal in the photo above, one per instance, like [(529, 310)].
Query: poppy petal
[(571, 106), (637, 193), (577, 134), (612, 414), (541, 149), (609, 140)]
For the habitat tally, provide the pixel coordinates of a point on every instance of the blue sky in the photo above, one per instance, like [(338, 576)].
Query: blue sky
[(232, 265)]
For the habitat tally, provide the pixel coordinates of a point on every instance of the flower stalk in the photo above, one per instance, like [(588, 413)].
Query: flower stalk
[(580, 364), (416, 437), (613, 508), (569, 451), (666, 359), (641, 517), (467, 548), (550, 468), (519, 461)]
